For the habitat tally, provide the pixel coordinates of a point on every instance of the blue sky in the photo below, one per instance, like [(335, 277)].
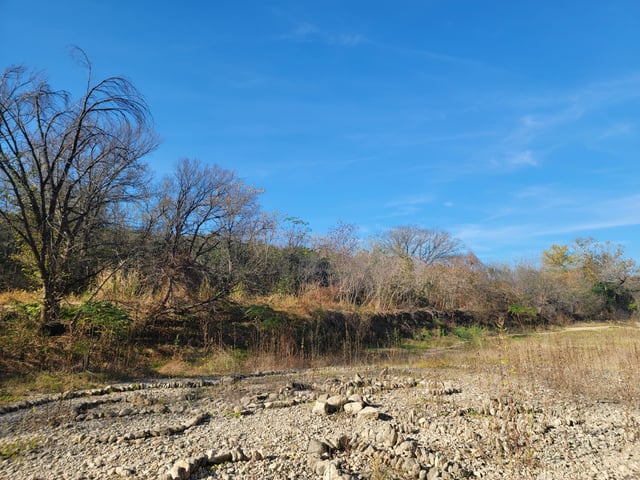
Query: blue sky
[(513, 125)]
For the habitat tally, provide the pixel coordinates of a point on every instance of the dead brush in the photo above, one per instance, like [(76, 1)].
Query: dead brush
[(592, 365), (510, 420), (601, 365)]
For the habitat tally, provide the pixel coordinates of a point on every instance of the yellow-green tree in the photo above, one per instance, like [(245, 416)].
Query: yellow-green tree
[(596, 276)]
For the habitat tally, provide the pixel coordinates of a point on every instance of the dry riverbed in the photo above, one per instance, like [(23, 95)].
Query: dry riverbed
[(330, 424)]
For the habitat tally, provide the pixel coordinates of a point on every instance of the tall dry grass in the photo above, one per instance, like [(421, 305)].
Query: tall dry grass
[(525, 372), (600, 364), (10, 297)]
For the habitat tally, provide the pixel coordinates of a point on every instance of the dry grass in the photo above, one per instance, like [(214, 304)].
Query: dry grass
[(226, 361), (21, 296), (577, 367), (191, 363), (313, 298), (14, 389), (600, 364)]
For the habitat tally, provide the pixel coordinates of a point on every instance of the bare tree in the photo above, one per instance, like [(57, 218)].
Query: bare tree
[(339, 248), (201, 209), (424, 245), (66, 166)]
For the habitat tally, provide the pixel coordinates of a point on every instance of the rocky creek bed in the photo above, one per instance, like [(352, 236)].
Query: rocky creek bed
[(329, 424)]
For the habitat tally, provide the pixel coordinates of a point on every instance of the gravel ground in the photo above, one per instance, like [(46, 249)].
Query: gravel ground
[(328, 424)]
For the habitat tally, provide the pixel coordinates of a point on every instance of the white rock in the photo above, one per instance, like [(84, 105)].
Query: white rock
[(321, 408), (353, 407), (369, 412), (336, 402), (181, 470)]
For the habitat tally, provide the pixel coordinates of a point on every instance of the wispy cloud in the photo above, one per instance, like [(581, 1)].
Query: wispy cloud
[(540, 225), (305, 30), (410, 200), (524, 158), (405, 139), (510, 161), (272, 169), (622, 129), (308, 32), (301, 167), (545, 120), (447, 58), (437, 56), (611, 213), (533, 191), (477, 235), (406, 206)]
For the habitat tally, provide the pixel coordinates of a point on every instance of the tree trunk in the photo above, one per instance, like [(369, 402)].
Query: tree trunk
[(50, 311)]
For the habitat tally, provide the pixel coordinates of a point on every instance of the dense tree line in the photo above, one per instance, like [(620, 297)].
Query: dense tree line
[(81, 215)]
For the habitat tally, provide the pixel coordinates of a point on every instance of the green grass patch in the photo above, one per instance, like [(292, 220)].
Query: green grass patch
[(474, 335), (8, 397), (17, 388), (12, 450)]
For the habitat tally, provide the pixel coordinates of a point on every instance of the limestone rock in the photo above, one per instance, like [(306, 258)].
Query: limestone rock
[(353, 407), (318, 449), (321, 408), (181, 470), (336, 402), (369, 412)]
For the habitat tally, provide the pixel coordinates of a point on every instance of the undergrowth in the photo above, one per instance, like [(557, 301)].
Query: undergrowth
[(107, 341)]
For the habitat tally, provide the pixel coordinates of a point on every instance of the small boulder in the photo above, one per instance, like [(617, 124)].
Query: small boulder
[(387, 435), (353, 407), (336, 402), (318, 449), (218, 458), (321, 408), (181, 470), (369, 412)]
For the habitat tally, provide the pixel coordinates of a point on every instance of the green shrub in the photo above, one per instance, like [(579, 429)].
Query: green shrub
[(265, 315), (31, 310), (523, 313), (473, 334), (103, 317)]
